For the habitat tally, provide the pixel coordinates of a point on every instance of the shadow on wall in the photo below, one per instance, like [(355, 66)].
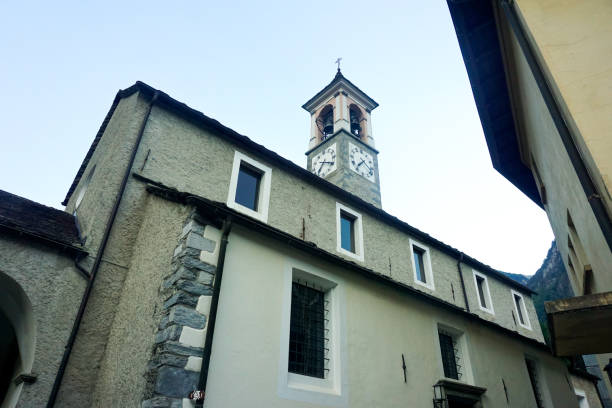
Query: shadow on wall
[(17, 339)]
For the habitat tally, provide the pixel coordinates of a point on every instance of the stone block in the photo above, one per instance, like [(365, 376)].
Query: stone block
[(175, 382), (186, 316), (194, 287), (199, 242), (162, 402), (205, 278), (203, 305), (169, 333), (181, 273), (179, 349), (192, 337), (167, 359), (194, 364), (195, 263), (192, 226), (181, 298)]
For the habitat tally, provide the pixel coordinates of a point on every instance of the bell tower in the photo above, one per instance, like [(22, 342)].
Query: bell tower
[(341, 147)]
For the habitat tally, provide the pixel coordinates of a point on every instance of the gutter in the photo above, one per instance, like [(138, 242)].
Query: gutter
[(590, 189), (200, 393), (94, 270)]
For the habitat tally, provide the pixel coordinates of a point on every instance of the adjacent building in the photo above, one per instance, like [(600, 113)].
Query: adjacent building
[(194, 266), (541, 73)]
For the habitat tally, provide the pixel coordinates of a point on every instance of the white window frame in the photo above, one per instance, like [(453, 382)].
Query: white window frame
[(333, 389), (357, 230), (427, 265), (583, 401), (527, 324), (83, 189), (462, 342), (263, 199), (487, 292)]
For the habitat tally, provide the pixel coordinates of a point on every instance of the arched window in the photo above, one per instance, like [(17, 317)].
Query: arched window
[(325, 122), (17, 340), (355, 120)]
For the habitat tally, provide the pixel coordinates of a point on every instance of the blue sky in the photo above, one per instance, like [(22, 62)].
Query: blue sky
[(251, 65)]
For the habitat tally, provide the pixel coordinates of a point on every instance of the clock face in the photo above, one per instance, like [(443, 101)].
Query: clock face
[(361, 162), (324, 162)]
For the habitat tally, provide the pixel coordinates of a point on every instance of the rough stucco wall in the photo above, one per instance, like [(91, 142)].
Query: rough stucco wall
[(572, 40), (191, 159), (111, 158), (589, 390), (54, 288), (563, 188), (121, 382), (381, 324)]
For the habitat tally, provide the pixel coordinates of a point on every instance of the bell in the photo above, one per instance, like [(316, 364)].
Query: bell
[(355, 126), (328, 125)]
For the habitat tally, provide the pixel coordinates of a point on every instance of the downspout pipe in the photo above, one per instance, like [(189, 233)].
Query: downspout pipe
[(94, 269), (459, 270), (199, 395)]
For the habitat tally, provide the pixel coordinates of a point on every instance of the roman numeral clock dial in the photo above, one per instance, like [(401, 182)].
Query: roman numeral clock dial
[(324, 163), (361, 162)]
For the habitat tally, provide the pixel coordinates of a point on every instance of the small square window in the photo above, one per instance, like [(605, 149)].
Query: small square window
[(247, 189), (347, 231), (521, 310), (482, 291), (421, 265)]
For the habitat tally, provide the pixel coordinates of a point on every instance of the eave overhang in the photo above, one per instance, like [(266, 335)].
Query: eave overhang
[(477, 33), (581, 325)]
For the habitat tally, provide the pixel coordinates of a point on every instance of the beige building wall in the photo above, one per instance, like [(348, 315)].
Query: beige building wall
[(381, 324), (572, 40), (543, 150)]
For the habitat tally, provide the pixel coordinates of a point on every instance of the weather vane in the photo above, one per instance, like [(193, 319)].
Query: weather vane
[(338, 62)]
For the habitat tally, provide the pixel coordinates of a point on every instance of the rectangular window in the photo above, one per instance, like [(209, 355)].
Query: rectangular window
[(247, 189), (419, 265), (449, 353), (347, 231), (481, 296), (307, 340), (533, 378), (521, 310)]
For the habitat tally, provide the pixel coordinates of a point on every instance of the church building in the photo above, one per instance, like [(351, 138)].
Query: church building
[(193, 266)]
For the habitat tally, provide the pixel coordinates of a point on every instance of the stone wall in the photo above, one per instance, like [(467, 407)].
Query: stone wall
[(174, 368)]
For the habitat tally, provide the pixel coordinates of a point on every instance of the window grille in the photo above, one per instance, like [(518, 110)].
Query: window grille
[(450, 355), (308, 334), (533, 377)]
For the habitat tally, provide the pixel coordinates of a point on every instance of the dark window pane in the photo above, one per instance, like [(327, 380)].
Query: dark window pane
[(449, 362), (247, 188), (307, 332), (419, 265), (481, 295), (531, 369), (517, 300), (347, 233)]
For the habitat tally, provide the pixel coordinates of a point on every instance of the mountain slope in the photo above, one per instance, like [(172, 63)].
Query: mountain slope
[(551, 283)]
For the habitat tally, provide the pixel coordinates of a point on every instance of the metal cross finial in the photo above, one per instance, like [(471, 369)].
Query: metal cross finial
[(338, 62)]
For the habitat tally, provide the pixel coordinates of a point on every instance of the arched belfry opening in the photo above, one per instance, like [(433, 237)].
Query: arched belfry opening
[(356, 118), (17, 339), (325, 122)]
